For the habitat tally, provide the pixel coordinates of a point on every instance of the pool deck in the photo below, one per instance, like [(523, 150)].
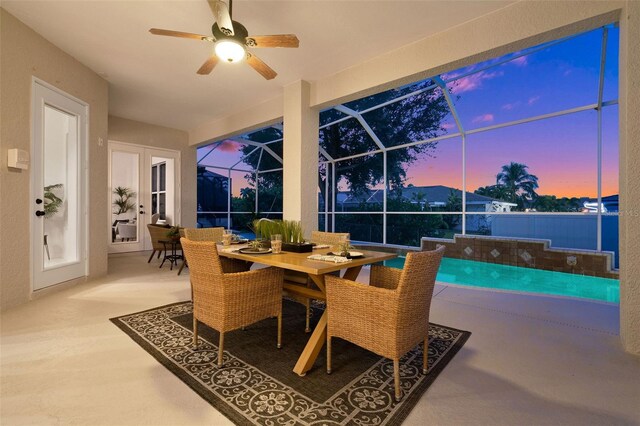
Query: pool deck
[(530, 360)]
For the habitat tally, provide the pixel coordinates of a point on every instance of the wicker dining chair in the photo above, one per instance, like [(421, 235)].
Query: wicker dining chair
[(215, 235), (330, 238), (391, 315), (230, 301), (300, 278), (157, 233), (204, 234)]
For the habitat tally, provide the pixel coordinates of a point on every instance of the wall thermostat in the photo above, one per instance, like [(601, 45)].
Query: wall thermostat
[(18, 159)]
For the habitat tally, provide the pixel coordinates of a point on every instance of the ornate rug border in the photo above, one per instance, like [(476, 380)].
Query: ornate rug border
[(400, 414)]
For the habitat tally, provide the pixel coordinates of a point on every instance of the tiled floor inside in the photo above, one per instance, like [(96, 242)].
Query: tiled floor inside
[(530, 360)]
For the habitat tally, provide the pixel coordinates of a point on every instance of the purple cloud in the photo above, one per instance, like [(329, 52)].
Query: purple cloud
[(484, 118), (473, 81), (521, 61), (509, 107)]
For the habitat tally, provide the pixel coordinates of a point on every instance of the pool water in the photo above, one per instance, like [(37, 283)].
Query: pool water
[(505, 277)]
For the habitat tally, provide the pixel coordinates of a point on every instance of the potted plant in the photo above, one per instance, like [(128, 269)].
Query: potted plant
[(52, 202), (125, 201), (256, 245), (52, 205), (291, 231), (293, 237), (344, 247), (174, 232), (264, 228)]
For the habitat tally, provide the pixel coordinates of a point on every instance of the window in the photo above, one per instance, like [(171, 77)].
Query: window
[(159, 189)]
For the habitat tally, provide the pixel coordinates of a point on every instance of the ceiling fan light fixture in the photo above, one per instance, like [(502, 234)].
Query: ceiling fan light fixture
[(230, 51)]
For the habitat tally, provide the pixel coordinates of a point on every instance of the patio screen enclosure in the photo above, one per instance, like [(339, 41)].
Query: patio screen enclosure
[(524, 145)]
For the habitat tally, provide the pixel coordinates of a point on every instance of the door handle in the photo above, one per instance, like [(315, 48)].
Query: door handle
[(40, 213)]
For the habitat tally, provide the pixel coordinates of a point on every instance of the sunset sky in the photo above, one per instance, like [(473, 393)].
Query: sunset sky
[(561, 151)]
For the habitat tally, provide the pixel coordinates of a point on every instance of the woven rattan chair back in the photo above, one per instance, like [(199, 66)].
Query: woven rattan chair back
[(158, 233), (202, 257), (331, 238), (204, 234)]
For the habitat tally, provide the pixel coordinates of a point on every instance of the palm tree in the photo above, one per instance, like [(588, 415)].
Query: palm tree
[(519, 183), (125, 202)]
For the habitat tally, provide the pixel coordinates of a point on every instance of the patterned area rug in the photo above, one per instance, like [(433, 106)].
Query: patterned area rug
[(256, 385)]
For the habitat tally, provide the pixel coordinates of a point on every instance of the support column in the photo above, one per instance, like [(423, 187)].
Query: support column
[(630, 177), (300, 175)]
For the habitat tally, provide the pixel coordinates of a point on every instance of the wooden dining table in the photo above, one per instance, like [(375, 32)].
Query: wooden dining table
[(316, 270)]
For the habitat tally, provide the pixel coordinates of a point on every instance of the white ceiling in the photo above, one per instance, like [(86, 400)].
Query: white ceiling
[(153, 78)]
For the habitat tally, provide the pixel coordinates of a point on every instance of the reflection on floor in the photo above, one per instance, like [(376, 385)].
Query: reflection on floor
[(530, 360)]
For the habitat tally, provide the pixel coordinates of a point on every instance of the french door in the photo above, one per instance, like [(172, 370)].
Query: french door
[(144, 184), (58, 187)]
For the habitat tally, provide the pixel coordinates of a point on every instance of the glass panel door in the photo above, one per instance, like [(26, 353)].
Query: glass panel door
[(126, 198), (58, 188), (144, 182)]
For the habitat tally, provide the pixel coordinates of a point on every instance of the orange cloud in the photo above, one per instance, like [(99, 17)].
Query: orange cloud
[(229, 145)]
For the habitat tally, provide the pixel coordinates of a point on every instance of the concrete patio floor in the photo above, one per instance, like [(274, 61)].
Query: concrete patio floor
[(530, 359)]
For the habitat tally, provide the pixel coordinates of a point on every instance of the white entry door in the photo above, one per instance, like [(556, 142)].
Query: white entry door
[(58, 187), (144, 182)]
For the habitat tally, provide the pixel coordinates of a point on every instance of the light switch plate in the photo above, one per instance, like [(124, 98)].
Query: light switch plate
[(18, 158)]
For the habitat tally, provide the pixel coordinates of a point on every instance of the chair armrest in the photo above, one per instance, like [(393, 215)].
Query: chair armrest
[(262, 282), (384, 276), (352, 298), (234, 265)]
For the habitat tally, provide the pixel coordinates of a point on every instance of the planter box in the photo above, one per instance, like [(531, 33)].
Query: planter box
[(297, 247)]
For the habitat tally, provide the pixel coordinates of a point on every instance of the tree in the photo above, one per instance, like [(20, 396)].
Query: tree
[(412, 119), (454, 204), (499, 192), (550, 203), (213, 190), (415, 118), (519, 184)]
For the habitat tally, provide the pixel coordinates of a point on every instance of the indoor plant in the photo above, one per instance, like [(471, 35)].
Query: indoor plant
[(174, 232), (293, 237), (291, 231), (344, 246), (125, 201), (52, 202)]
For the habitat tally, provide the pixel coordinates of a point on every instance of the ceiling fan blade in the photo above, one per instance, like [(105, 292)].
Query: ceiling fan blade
[(171, 33), (223, 17), (208, 65), (262, 68), (278, 40)]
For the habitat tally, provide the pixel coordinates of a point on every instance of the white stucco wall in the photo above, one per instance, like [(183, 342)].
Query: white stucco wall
[(23, 55)]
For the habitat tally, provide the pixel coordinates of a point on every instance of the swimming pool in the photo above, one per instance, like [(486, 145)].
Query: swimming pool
[(505, 277)]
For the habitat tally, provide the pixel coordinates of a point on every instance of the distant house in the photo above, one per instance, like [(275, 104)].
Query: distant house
[(609, 204), (434, 197)]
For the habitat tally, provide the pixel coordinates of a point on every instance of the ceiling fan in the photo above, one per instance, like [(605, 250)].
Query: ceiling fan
[(231, 40)]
